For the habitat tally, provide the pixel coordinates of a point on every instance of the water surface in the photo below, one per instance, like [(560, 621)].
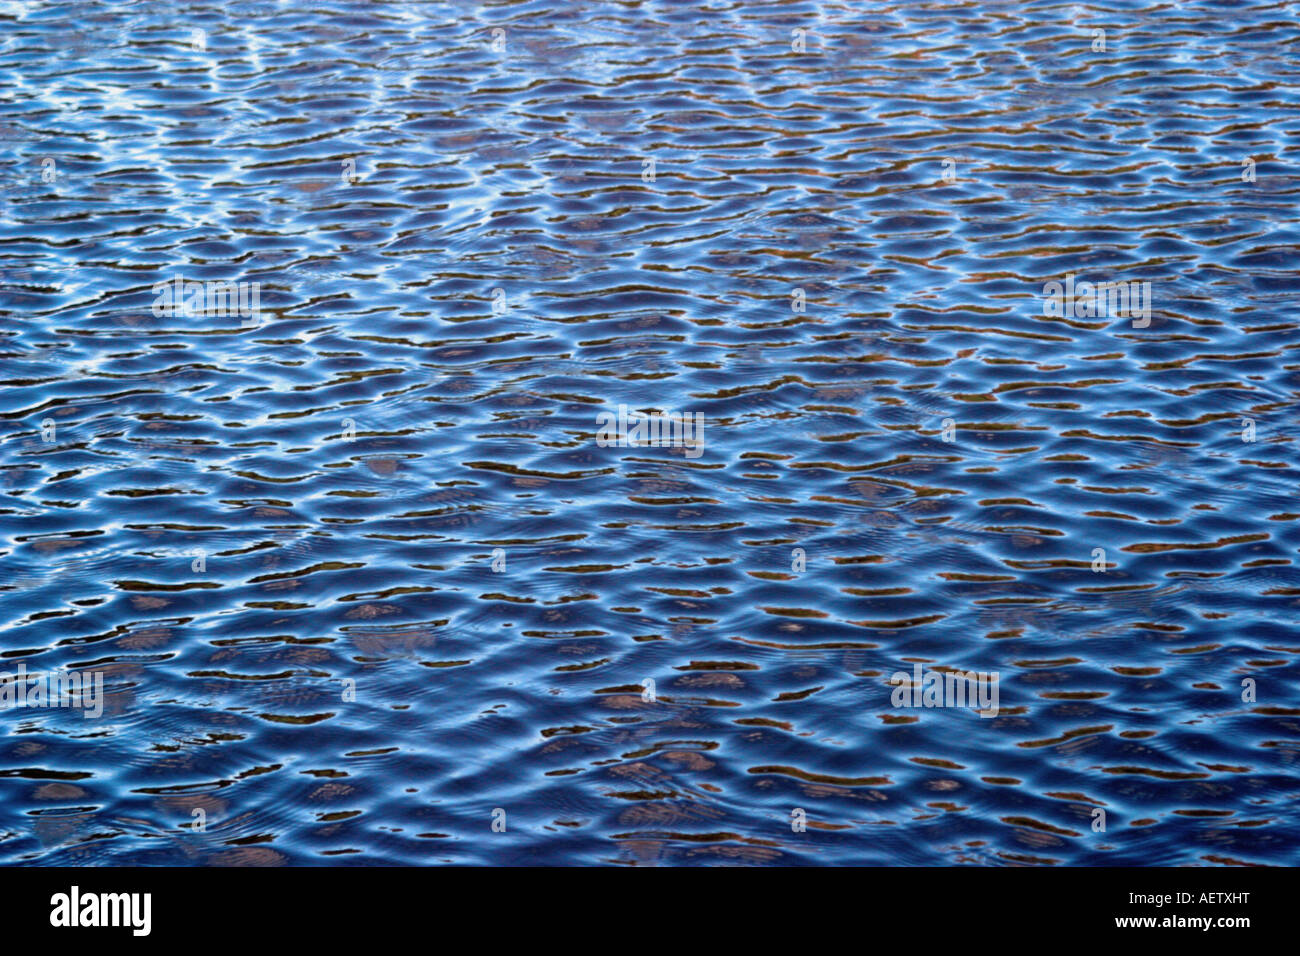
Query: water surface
[(231, 524)]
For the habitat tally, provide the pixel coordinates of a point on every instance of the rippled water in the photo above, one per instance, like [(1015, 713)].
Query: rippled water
[(230, 524)]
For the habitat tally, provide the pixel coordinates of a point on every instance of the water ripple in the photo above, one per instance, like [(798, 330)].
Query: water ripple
[(358, 577)]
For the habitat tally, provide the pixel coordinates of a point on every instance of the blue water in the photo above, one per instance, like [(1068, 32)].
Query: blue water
[(276, 544)]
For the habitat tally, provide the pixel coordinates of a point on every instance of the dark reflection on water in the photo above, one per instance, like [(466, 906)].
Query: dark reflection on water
[(230, 524)]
